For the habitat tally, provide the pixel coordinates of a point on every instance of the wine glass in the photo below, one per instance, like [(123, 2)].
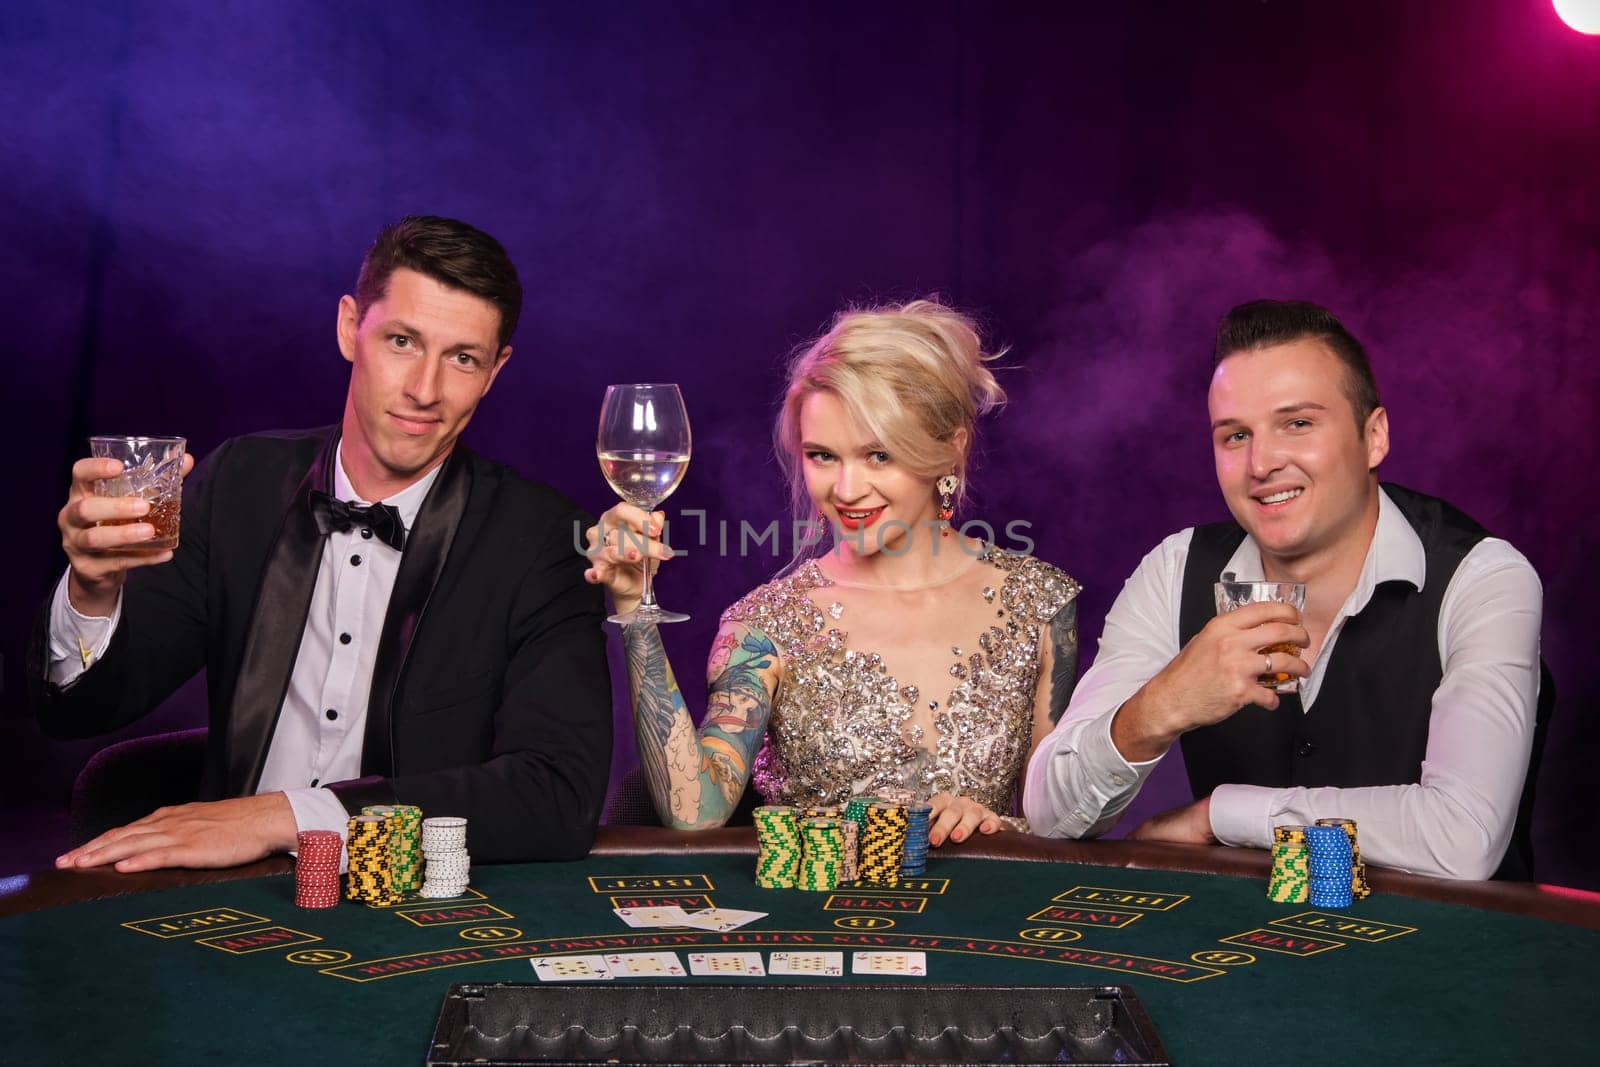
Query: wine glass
[(1231, 595), (643, 445)]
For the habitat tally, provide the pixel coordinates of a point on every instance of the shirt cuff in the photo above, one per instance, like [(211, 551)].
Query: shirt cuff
[(1088, 802), (319, 809), (1112, 765), (77, 641), (1241, 815)]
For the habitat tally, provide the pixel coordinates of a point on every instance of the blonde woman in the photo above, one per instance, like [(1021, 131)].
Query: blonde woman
[(905, 656)]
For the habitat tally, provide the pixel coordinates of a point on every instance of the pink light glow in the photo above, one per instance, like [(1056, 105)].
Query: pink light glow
[(1581, 15)]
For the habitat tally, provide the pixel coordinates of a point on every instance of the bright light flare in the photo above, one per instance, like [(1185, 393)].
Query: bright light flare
[(1581, 15)]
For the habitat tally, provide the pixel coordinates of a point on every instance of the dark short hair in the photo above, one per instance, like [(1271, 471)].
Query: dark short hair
[(451, 253), (1264, 323)]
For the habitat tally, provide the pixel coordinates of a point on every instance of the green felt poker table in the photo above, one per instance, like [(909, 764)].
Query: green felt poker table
[(187, 966)]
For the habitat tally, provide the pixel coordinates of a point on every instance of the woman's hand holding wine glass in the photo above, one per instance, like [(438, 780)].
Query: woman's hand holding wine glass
[(615, 556)]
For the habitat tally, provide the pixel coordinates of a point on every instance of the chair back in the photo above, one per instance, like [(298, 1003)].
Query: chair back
[(130, 779)]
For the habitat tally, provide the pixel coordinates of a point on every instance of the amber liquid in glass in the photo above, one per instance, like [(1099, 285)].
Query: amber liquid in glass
[(163, 515), (1277, 678)]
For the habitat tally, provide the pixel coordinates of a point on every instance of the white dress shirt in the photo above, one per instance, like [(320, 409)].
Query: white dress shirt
[(1456, 822), (323, 721)]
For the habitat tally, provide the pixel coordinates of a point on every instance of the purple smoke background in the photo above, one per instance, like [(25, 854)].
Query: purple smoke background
[(691, 190)]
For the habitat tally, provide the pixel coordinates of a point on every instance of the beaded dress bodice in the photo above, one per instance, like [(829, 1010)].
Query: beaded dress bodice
[(842, 724)]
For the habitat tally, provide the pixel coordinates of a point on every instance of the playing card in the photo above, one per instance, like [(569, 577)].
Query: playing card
[(651, 918), (645, 965), (827, 964), (889, 963), (747, 964), (572, 969), (721, 920)]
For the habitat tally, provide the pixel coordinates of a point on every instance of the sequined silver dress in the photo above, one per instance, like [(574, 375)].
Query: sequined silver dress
[(841, 724)]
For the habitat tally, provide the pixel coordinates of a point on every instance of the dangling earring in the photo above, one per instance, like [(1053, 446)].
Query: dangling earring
[(947, 500)]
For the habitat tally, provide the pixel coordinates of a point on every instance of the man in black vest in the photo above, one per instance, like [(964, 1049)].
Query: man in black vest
[(1419, 675), (383, 616)]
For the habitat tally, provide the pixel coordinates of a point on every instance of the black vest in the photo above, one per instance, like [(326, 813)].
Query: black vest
[(1370, 723)]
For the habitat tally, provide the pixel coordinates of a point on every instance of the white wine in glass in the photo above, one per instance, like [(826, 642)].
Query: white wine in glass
[(643, 445)]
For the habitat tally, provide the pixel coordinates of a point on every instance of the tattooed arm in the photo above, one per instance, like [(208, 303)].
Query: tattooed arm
[(1058, 662), (696, 778)]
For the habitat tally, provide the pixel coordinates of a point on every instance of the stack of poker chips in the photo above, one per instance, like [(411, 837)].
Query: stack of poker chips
[(1359, 889), (883, 838), (822, 859), (852, 841), (405, 842), (914, 855), (1330, 866), (856, 809), (448, 867), (1290, 882), (405, 847), (316, 868), (778, 833), (370, 879)]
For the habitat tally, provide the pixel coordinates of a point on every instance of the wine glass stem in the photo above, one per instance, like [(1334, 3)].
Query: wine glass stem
[(647, 599)]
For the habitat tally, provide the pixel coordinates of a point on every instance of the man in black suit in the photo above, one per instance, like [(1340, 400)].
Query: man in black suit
[(384, 617)]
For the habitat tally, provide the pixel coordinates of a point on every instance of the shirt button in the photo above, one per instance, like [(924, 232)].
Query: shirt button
[(1306, 747), (331, 714), (1117, 779), (314, 782), (1080, 816), (344, 639), (366, 535), (355, 561)]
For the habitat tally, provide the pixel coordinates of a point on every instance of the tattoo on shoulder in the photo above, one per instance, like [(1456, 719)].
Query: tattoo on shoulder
[(1064, 669)]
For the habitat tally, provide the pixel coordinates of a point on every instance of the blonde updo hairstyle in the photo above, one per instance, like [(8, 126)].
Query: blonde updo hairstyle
[(913, 375)]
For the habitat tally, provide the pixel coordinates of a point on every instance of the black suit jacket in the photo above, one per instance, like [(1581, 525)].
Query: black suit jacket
[(490, 694)]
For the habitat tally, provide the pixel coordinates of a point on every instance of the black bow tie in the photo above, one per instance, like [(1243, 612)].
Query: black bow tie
[(333, 514)]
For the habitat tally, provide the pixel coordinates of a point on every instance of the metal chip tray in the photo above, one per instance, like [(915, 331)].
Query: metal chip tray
[(862, 1025)]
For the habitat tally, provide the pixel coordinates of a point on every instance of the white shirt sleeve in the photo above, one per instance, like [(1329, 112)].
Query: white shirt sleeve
[(1457, 821), (1078, 784), (319, 809), (76, 641)]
